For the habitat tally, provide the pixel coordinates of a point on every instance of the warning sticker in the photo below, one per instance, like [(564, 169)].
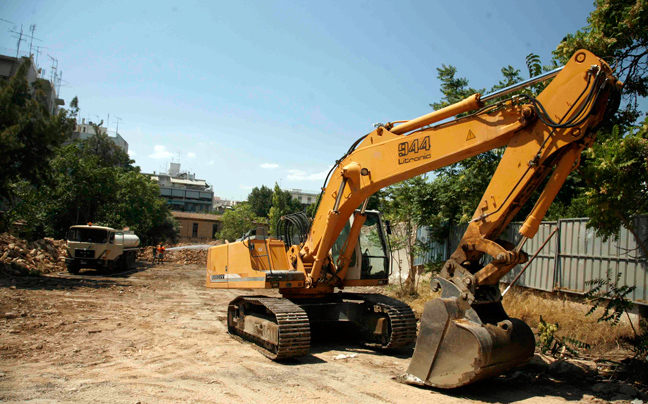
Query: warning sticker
[(471, 135)]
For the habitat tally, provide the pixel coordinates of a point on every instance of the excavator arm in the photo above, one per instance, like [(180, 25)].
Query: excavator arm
[(540, 135)]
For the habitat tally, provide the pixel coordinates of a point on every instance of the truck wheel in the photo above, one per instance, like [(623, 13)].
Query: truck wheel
[(131, 260), (124, 262), (73, 268)]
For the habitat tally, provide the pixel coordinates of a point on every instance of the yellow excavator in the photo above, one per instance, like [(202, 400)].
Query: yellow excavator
[(465, 335)]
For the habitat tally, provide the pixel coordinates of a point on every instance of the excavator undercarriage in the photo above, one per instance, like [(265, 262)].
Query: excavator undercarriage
[(464, 335), (280, 328)]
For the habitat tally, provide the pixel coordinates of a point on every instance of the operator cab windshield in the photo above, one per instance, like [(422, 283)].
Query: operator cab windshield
[(82, 235), (372, 245), (375, 263)]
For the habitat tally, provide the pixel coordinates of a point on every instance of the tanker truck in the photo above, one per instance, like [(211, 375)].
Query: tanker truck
[(99, 247)]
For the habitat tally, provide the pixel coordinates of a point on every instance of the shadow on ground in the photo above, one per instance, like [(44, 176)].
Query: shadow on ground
[(87, 278), (506, 389)]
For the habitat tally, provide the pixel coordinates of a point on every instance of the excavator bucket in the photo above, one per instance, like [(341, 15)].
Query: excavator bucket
[(459, 344)]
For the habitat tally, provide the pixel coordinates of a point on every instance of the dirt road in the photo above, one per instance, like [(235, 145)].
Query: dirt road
[(156, 335)]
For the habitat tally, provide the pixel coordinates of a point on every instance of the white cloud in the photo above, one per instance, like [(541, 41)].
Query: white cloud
[(269, 166), (191, 155), (160, 152), (299, 175), (248, 187), (131, 153), (210, 162)]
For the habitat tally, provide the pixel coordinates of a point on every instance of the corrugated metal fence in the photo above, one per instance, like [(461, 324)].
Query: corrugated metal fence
[(572, 257)]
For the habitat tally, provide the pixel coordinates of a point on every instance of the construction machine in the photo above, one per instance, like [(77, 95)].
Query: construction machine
[(464, 335)]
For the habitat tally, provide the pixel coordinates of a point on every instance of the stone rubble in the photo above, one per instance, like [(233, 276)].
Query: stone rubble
[(20, 257)]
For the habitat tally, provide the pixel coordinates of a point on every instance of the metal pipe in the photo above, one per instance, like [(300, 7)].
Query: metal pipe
[(471, 103), (364, 206), (336, 206), (522, 84), (531, 260)]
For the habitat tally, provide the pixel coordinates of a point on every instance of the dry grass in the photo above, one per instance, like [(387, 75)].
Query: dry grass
[(569, 313), (527, 305), (416, 302)]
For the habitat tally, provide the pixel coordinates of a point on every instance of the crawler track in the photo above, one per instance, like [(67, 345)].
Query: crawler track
[(294, 327), (401, 318)]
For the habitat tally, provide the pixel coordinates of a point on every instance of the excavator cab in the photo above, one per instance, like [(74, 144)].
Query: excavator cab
[(371, 257)]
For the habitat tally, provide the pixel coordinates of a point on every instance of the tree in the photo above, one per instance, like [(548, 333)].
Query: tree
[(137, 205), (617, 177), (458, 188), (616, 32), (613, 171), (101, 146), (93, 181), (29, 136), (408, 205), (282, 204), (237, 221), (260, 199)]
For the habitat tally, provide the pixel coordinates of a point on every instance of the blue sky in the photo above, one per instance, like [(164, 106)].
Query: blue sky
[(248, 93)]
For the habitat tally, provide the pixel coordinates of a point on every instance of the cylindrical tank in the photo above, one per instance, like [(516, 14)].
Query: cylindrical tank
[(131, 241)]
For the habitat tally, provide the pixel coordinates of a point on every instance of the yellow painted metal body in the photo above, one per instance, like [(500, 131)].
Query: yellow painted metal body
[(265, 264), (244, 265)]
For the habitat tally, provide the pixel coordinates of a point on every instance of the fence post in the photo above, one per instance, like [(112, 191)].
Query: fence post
[(557, 256)]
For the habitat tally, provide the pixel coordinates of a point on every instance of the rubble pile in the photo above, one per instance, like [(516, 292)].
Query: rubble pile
[(186, 257), (17, 256), (182, 256), (146, 253)]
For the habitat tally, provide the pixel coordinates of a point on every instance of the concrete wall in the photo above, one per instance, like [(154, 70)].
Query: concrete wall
[(205, 228)]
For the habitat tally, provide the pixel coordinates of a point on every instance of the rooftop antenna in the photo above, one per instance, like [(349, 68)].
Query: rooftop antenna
[(118, 119), (54, 69), (38, 52), (32, 28), (57, 84), (20, 39)]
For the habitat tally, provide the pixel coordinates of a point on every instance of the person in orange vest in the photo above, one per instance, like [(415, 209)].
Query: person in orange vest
[(160, 252)]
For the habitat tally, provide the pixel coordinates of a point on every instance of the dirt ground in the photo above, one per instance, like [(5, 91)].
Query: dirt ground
[(157, 335)]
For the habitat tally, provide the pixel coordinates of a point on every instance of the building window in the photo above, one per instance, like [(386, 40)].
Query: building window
[(214, 230), (194, 233), (309, 199), (300, 198)]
